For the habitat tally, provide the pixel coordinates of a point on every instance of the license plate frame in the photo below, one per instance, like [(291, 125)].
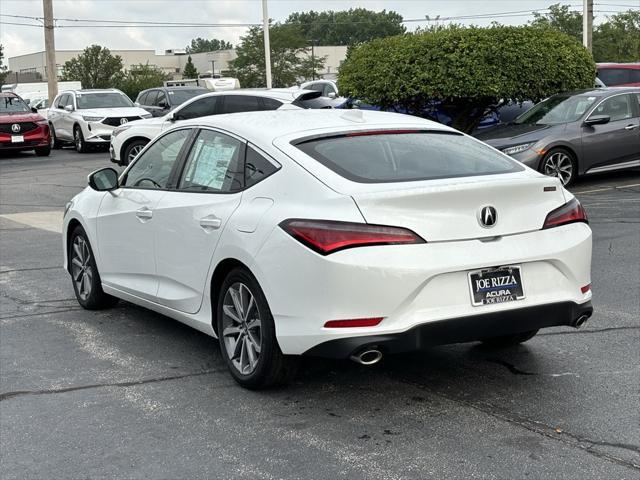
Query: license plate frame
[(492, 292), (17, 138)]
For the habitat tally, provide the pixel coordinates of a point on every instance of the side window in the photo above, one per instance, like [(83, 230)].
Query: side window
[(214, 164), (241, 103), (63, 100), (161, 100), (151, 98), (153, 168), (317, 87), (271, 104), (199, 108), (256, 167), (328, 88), (142, 98), (618, 108)]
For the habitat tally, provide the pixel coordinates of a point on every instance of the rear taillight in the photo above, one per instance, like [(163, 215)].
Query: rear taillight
[(328, 236), (570, 212)]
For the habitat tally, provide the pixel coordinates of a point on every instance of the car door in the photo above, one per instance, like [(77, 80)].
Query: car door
[(615, 142), (57, 114), (67, 119), (197, 108), (191, 219), (127, 217)]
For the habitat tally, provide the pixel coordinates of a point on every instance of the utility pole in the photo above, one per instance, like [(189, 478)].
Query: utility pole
[(267, 47), (50, 48), (587, 24), (213, 68)]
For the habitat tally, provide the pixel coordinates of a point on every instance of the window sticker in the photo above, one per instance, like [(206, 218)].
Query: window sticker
[(212, 164)]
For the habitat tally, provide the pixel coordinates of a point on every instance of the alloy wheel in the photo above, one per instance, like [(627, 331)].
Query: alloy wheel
[(81, 269), (559, 165), (241, 328), (133, 152)]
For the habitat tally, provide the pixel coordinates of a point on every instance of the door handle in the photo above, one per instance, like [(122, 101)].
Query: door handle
[(630, 127), (144, 214), (210, 222)]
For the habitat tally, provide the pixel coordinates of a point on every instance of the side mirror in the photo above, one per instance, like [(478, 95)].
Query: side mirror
[(69, 108), (34, 109), (173, 116), (136, 104), (163, 105), (597, 120), (103, 180), (332, 95)]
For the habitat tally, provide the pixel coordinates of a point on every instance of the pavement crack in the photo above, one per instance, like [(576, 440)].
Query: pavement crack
[(133, 383), (511, 367), (29, 269), (590, 331), (62, 310), (533, 426)]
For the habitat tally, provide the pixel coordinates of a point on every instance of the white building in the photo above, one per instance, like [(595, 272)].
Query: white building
[(172, 62)]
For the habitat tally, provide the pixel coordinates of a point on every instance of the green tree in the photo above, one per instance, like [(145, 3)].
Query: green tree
[(290, 60), (199, 45), (138, 78), (346, 27), (3, 70), (618, 39), (95, 67), (561, 18), (468, 70), (190, 70)]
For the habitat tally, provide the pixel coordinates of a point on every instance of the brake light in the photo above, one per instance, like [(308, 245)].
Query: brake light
[(328, 236), (353, 322), (586, 288), (570, 212)]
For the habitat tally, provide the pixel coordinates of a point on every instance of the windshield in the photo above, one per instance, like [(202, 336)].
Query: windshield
[(178, 97), (102, 100), (556, 109), (401, 156), (9, 104)]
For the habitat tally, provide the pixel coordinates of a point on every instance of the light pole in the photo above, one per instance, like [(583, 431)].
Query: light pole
[(267, 47), (50, 48), (313, 59)]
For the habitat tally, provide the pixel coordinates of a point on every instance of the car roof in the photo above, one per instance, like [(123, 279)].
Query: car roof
[(182, 87), (265, 126), (9, 94), (601, 92), (632, 66), (92, 90)]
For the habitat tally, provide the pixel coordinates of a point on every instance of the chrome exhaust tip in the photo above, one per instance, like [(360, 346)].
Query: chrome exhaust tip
[(367, 356), (581, 320)]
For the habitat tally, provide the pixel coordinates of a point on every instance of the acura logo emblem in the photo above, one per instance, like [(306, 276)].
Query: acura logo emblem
[(488, 217), (123, 121), (15, 128)]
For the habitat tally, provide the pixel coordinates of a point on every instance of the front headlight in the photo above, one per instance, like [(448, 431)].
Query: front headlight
[(517, 148), (91, 119), (119, 129)]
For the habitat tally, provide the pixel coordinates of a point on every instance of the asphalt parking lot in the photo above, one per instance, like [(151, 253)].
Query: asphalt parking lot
[(127, 393)]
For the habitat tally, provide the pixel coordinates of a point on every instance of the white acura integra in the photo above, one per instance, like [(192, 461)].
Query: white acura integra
[(330, 233)]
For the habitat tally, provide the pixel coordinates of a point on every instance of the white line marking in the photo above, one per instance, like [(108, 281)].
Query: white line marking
[(615, 187), (50, 221)]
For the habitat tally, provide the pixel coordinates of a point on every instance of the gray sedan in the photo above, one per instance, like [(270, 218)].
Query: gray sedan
[(571, 134)]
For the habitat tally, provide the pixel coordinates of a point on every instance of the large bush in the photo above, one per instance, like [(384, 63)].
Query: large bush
[(468, 70)]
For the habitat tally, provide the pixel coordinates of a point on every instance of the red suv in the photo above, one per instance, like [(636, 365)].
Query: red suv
[(21, 128), (619, 74)]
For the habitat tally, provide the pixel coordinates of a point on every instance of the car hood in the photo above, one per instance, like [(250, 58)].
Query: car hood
[(15, 117), (113, 112), (513, 134)]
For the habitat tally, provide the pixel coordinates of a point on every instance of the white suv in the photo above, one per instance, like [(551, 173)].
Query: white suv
[(129, 139), (87, 117)]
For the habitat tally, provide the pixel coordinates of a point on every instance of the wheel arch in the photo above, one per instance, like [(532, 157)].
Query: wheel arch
[(129, 141), (73, 224), (219, 274)]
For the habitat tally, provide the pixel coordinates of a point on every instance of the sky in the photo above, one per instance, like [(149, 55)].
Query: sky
[(19, 40)]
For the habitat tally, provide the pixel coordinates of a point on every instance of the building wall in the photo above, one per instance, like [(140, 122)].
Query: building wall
[(171, 64)]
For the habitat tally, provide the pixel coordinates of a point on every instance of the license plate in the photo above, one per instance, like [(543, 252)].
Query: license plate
[(17, 138), (496, 285)]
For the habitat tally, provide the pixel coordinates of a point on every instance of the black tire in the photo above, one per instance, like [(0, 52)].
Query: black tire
[(272, 367), (136, 144), (92, 297), (549, 159), (55, 143), (78, 140), (510, 340), (43, 151)]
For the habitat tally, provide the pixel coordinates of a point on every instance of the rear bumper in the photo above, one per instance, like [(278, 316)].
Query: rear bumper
[(459, 330)]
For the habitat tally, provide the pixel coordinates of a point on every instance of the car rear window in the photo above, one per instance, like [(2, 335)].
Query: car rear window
[(405, 156)]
